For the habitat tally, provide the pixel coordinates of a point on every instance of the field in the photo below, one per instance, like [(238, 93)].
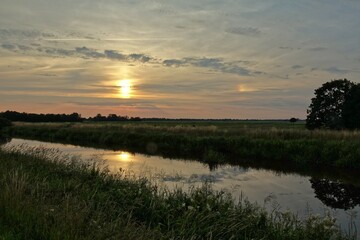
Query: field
[(46, 195)]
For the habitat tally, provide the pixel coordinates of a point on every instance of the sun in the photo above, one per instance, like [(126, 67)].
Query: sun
[(125, 88)]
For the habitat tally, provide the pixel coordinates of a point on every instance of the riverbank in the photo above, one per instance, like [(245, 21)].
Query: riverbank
[(46, 195), (213, 144)]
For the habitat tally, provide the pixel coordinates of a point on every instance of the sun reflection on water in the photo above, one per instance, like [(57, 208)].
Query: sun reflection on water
[(124, 157)]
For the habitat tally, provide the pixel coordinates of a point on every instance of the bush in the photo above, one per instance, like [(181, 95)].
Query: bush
[(4, 123)]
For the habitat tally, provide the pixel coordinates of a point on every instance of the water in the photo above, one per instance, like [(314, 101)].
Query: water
[(285, 192)]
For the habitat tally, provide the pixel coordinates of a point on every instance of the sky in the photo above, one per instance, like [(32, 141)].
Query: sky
[(241, 59)]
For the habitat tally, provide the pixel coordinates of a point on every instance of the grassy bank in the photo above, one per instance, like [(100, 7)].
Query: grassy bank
[(212, 144), (46, 195)]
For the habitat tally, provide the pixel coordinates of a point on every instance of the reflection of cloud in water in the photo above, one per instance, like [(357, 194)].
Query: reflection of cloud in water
[(246, 178), (221, 174), (175, 178), (203, 178)]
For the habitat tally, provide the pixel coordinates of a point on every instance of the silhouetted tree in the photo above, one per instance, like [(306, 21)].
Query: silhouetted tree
[(33, 117), (336, 194), (326, 108), (351, 111), (293, 120)]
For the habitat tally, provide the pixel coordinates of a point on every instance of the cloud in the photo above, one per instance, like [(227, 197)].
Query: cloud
[(8, 46), (336, 70), (112, 54), (297, 66), (47, 74), (246, 31), (139, 57), (216, 64), (82, 52), (57, 51), (23, 34), (15, 47), (87, 52), (286, 48), (174, 63), (318, 49), (24, 48)]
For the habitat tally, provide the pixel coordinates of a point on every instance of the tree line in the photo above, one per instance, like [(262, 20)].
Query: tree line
[(73, 117), (76, 117), (34, 117)]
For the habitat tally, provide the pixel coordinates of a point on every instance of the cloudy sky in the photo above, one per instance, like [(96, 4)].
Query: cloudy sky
[(168, 58)]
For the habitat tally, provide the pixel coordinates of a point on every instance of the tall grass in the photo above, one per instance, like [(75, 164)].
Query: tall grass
[(46, 195), (212, 144)]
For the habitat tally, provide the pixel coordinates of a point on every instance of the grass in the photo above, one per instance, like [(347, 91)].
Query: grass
[(214, 142), (47, 195)]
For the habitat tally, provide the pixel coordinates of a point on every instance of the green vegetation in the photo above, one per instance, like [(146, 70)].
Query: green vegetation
[(336, 105), (46, 195), (213, 142), (4, 123)]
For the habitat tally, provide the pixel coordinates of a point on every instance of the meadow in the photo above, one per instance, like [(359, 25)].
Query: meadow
[(48, 195), (258, 143)]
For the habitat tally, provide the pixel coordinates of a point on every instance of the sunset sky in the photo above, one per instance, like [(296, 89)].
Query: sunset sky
[(245, 59)]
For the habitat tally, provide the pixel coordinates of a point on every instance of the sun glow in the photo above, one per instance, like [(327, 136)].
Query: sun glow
[(124, 157), (244, 88), (125, 88)]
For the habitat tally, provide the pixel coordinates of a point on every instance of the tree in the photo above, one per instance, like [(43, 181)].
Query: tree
[(293, 120), (351, 112), (326, 108)]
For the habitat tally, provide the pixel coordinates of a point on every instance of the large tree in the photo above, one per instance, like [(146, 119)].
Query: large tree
[(351, 111), (327, 107)]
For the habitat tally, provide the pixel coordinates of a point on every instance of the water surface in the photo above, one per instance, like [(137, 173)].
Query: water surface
[(293, 192)]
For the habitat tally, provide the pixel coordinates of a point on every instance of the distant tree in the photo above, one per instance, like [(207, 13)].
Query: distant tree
[(33, 117), (326, 108), (113, 117), (293, 120)]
